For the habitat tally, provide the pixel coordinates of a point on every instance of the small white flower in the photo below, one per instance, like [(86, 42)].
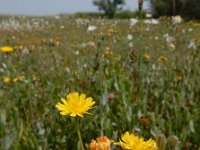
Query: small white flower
[(130, 44), (192, 45), (156, 38), (57, 17), (83, 45), (183, 31), (91, 28), (151, 21), (77, 52), (132, 21), (147, 29), (148, 15), (85, 65), (169, 39), (171, 46), (129, 37), (190, 30), (176, 19)]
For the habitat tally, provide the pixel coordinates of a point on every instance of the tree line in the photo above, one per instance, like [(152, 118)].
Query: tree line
[(186, 8)]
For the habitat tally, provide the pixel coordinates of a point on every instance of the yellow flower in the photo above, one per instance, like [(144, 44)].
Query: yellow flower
[(108, 53), (6, 49), (179, 77), (101, 143), (18, 78), (147, 57), (111, 31), (6, 79), (75, 105), (133, 142), (162, 58)]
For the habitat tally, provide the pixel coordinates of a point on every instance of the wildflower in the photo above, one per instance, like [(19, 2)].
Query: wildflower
[(18, 78), (129, 37), (91, 28), (176, 19), (75, 105), (192, 44), (111, 96), (147, 57), (77, 53), (6, 79), (101, 143), (110, 31), (162, 58), (108, 53), (133, 142), (151, 21), (171, 46), (148, 15), (34, 77), (6, 49), (179, 77), (132, 21), (130, 44)]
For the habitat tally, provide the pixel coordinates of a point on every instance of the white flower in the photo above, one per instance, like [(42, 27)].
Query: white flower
[(91, 28), (130, 44), (171, 46), (148, 15), (132, 21), (176, 19), (190, 30), (129, 37), (151, 21), (192, 45), (169, 39), (77, 52), (57, 17), (156, 38)]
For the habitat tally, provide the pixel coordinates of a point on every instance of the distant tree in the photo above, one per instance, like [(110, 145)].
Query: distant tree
[(140, 4), (192, 9), (185, 8), (109, 6)]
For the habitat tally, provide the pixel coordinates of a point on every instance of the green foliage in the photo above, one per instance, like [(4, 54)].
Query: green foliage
[(192, 9), (109, 6), (160, 7), (186, 8), (129, 14)]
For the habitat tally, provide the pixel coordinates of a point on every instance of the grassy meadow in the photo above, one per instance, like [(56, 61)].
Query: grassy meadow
[(144, 78)]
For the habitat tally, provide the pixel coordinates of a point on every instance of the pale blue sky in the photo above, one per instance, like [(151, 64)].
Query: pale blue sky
[(52, 7)]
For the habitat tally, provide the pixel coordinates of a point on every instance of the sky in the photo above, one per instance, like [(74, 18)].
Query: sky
[(53, 7)]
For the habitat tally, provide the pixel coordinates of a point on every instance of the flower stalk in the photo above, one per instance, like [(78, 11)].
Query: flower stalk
[(79, 134)]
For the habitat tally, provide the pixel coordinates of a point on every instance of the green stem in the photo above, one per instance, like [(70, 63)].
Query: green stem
[(79, 134)]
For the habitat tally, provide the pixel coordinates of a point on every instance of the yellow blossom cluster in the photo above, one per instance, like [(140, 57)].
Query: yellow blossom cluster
[(6, 49), (161, 59), (132, 142), (7, 79), (147, 57)]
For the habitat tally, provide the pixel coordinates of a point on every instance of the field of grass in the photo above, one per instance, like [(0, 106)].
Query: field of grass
[(144, 78)]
